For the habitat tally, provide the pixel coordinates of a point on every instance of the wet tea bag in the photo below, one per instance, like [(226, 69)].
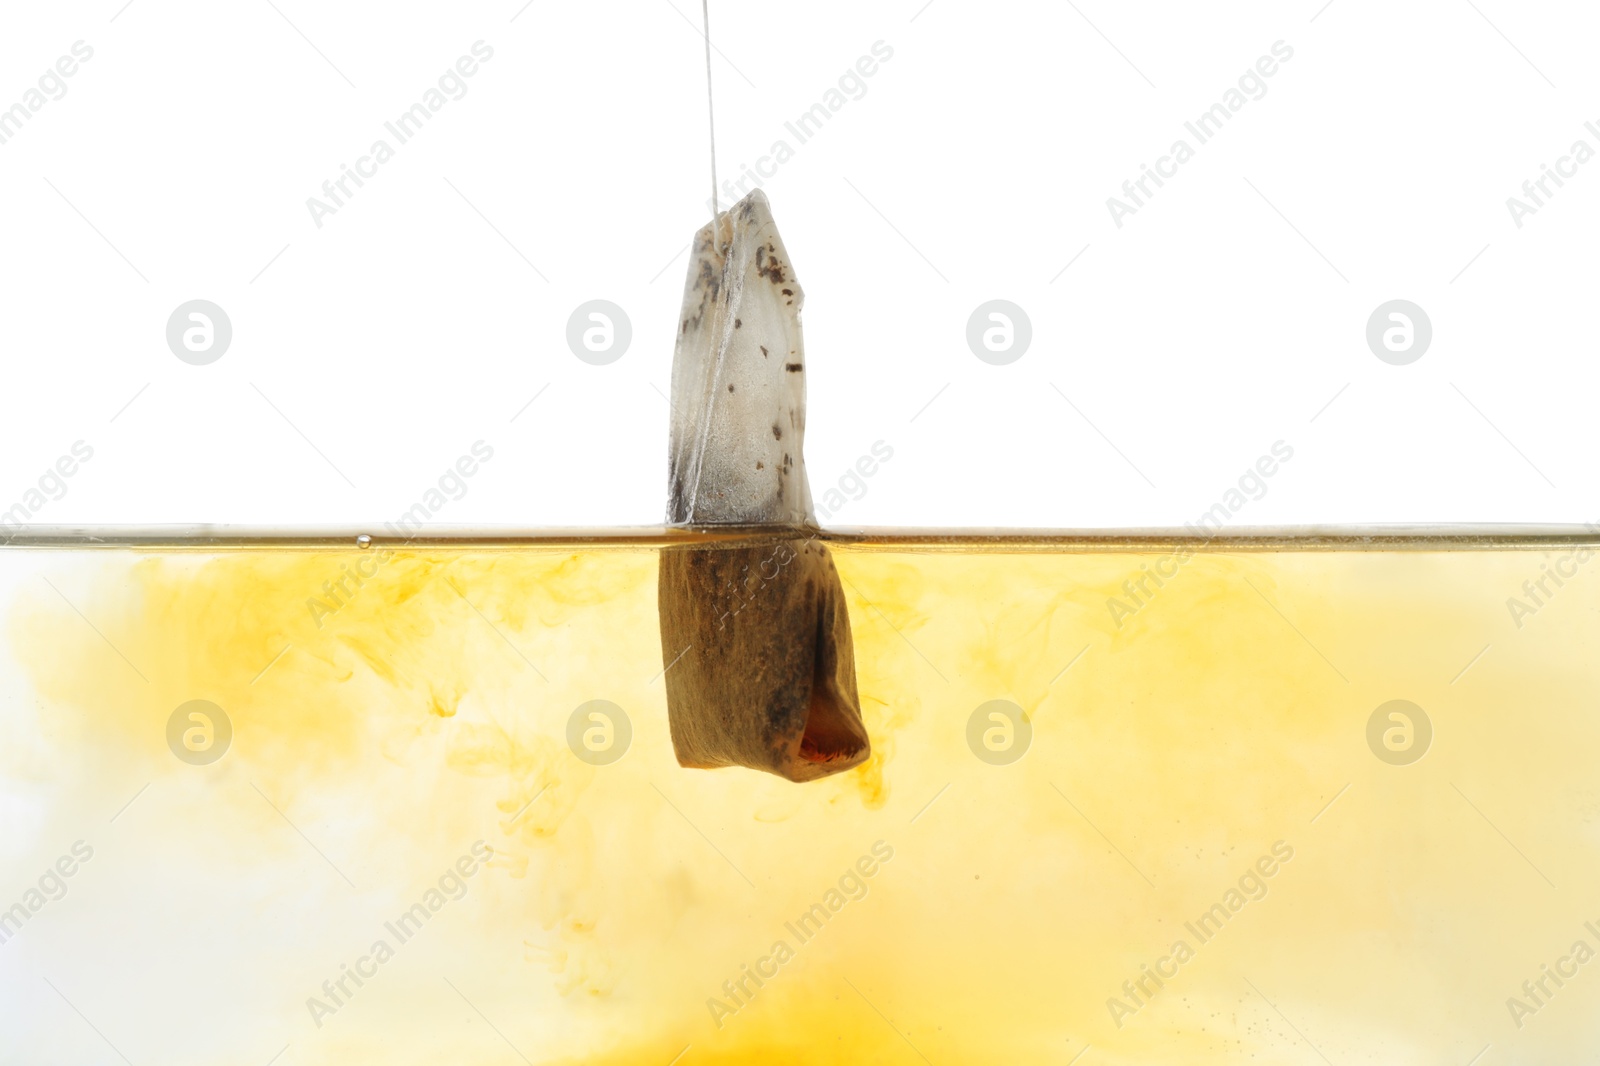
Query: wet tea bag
[(761, 668)]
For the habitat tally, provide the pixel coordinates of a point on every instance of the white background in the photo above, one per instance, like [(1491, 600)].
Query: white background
[(1227, 314)]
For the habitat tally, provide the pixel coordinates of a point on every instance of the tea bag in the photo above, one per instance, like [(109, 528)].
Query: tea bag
[(761, 668)]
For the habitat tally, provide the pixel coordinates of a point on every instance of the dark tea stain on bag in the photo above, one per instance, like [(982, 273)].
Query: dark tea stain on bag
[(768, 680)]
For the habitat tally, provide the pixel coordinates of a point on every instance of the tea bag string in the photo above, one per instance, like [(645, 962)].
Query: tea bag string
[(711, 114)]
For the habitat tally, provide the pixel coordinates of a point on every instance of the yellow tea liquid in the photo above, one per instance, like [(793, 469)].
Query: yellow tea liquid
[(1128, 802)]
